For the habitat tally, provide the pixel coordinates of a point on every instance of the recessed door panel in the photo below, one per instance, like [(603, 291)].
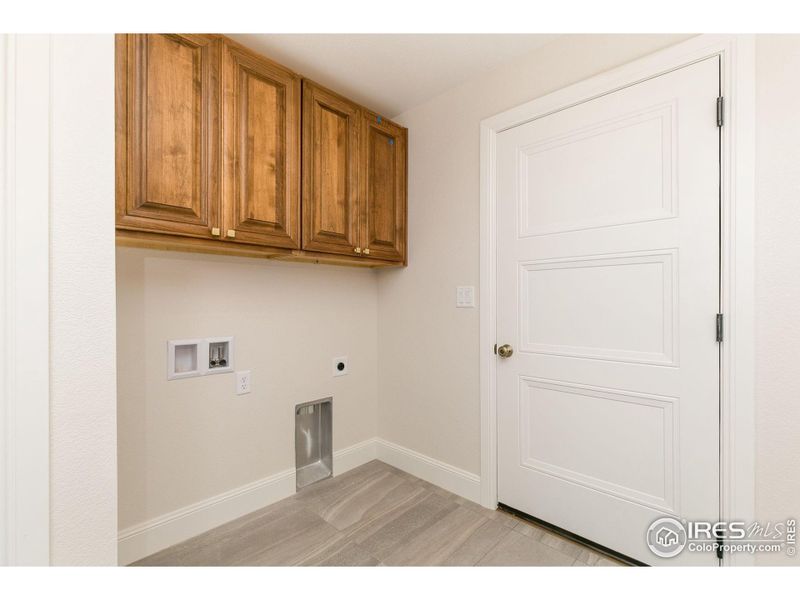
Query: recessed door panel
[(632, 183), (565, 433), (609, 307), (172, 122), (263, 168)]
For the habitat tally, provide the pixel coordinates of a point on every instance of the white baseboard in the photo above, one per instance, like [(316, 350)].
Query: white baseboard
[(353, 456), (162, 532), (453, 479)]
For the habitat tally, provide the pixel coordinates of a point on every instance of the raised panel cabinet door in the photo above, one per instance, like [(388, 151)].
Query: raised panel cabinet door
[(167, 119), (384, 188), (261, 133), (330, 172)]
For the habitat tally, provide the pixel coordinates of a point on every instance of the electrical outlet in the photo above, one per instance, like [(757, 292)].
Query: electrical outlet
[(339, 366), (242, 382)]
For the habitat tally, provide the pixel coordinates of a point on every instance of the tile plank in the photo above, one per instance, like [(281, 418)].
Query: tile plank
[(295, 549), (384, 535), (436, 543), (486, 537), (520, 550), (350, 555)]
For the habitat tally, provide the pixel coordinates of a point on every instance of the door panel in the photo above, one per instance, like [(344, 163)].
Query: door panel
[(572, 307), (560, 437), (608, 287), (261, 127), (330, 172), (384, 188), (633, 183), (168, 88)]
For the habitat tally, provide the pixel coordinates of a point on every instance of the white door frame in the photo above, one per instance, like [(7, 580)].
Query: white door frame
[(24, 300), (737, 425)]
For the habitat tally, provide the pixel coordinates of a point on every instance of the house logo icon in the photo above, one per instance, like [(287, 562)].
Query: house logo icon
[(666, 537)]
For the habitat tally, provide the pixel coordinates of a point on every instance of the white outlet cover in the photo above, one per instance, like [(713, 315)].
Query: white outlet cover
[(242, 382), (465, 296), (337, 372)]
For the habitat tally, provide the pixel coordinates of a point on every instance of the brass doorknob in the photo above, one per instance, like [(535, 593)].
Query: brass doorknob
[(505, 351)]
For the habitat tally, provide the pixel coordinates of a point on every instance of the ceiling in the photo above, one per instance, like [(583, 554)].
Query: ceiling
[(390, 73)]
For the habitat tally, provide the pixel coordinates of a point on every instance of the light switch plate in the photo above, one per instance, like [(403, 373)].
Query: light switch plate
[(242, 382), (465, 296)]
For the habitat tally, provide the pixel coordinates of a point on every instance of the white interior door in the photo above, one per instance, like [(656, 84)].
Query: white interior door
[(608, 289)]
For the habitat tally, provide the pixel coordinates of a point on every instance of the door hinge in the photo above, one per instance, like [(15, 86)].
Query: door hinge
[(720, 111), (719, 327), (495, 348)]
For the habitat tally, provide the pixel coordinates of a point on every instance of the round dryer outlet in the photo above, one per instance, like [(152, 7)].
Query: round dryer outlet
[(340, 366)]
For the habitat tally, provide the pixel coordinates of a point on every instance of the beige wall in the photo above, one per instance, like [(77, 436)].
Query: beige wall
[(428, 349), (777, 280), (184, 441)]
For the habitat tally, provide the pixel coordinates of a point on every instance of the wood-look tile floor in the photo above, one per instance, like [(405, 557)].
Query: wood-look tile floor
[(377, 515)]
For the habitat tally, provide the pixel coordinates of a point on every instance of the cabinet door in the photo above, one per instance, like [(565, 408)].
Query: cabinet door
[(167, 119), (330, 172), (261, 132), (383, 189)]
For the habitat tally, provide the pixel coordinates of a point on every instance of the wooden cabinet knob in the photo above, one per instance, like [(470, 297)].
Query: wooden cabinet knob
[(366, 250), (357, 250)]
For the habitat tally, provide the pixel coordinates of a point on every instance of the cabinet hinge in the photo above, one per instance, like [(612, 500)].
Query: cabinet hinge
[(720, 111), (495, 348), (719, 327)]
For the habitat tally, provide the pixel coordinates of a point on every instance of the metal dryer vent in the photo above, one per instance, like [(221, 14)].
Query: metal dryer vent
[(313, 441)]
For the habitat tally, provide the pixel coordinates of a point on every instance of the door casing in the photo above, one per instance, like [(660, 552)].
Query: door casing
[(737, 210), (26, 116)]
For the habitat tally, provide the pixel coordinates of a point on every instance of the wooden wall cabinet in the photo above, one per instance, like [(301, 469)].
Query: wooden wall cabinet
[(167, 144), (212, 140), (383, 188), (354, 179)]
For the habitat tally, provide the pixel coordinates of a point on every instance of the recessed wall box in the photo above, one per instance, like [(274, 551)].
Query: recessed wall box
[(313, 440), (183, 358), (220, 355)]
